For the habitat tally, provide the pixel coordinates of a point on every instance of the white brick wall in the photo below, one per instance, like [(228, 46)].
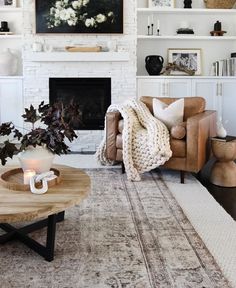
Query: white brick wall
[(123, 74)]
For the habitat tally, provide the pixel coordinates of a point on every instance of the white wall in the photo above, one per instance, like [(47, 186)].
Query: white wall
[(123, 74)]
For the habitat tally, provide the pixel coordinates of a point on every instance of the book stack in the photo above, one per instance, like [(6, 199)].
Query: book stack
[(226, 67)]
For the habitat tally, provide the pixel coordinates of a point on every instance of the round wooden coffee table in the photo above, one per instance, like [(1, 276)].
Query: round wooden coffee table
[(224, 170), (17, 206)]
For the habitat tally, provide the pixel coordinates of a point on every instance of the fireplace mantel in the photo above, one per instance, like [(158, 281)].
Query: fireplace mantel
[(77, 57)]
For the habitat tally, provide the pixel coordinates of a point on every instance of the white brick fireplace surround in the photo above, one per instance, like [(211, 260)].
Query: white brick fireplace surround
[(38, 71)]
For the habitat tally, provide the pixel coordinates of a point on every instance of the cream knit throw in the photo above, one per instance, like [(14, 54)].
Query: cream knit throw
[(145, 140)]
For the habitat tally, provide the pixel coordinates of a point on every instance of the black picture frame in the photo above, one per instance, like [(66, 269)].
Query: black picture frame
[(81, 16)]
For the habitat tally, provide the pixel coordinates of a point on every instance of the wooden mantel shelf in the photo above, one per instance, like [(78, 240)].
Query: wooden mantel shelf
[(76, 57)]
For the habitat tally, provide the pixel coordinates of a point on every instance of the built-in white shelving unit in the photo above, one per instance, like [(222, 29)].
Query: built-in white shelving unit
[(200, 19), (14, 17)]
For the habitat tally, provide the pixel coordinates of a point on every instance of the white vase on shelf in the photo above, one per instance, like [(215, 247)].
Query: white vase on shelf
[(8, 63)]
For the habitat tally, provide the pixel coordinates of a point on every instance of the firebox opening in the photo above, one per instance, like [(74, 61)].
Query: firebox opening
[(93, 95)]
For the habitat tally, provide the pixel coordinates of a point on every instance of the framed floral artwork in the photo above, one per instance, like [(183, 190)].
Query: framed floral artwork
[(162, 3), (186, 58), (79, 16)]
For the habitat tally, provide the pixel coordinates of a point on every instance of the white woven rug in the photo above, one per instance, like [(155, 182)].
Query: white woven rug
[(212, 223)]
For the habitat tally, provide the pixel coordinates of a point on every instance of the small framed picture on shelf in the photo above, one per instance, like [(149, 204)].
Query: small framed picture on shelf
[(7, 3), (190, 59), (161, 3)]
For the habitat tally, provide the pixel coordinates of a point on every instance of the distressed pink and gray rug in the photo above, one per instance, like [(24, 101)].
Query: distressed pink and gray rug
[(125, 235)]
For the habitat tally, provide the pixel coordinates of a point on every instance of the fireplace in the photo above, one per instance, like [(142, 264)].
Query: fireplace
[(93, 95)]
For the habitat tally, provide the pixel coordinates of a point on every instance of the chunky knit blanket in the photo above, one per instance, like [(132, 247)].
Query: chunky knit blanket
[(145, 140)]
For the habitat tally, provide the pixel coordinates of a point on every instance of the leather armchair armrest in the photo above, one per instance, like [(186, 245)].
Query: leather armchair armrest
[(112, 121), (200, 128)]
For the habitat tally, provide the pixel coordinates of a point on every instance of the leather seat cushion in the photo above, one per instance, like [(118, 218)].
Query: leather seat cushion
[(178, 148), (192, 105)]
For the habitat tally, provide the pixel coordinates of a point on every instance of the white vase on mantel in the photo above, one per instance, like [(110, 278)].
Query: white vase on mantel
[(37, 158), (8, 63)]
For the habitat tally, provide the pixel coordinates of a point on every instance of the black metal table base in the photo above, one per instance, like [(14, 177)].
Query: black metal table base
[(21, 234)]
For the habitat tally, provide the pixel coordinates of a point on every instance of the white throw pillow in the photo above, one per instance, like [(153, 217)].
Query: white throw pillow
[(170, 115)]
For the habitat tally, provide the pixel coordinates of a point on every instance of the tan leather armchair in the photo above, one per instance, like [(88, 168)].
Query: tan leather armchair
[(189, 153)]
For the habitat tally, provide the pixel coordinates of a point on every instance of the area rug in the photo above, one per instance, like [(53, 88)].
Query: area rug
[(125, 235)]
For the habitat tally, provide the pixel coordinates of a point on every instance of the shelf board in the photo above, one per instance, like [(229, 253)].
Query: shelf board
[(177, 37), (77, 56), (14, 36), (187, 11), (9, 9)]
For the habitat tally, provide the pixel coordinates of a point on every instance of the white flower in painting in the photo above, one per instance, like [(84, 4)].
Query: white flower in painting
[(85, 2), (58, 4), (57, 23), (90, 22), (100, 18), (66, 1), (110, 14), (52, 10), (67, 14), (72, 22), (77, 4)]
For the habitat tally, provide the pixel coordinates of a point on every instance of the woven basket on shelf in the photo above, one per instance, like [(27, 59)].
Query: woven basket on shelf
[(219, 4)]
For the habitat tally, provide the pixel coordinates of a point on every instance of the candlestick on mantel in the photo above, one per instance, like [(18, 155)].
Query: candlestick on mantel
[(28, 174)]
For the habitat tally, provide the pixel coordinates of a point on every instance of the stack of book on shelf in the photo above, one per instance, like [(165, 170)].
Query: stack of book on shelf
[(226, 67)]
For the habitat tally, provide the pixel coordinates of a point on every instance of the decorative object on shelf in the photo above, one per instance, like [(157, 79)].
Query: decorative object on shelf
[(86, 16), (8, 63), (172, 67), (233, 55), (83, 48), (219, 4), (217, 30), (41, 142), (8, 3), (37, 47), (161, 3), (4, 27), (220, 130), (188, 4), (158, 28), (111, 45), (186, 58), (154, 64), (184, 28)]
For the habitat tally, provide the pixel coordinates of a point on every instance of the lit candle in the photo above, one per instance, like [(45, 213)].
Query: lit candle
[(148, 20), (27, 175), (158, 24)]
